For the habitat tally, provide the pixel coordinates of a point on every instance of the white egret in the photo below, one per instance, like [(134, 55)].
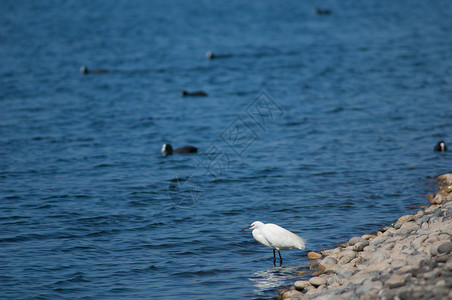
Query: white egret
[(275, 237)]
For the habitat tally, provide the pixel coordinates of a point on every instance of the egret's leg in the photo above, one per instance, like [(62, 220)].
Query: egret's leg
[(274, 257), (280, 258)]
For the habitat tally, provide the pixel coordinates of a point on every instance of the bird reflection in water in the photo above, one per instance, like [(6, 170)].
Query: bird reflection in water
[(274, 278)]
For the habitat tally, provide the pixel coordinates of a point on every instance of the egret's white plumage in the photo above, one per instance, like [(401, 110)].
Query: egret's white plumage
[(275, 237)]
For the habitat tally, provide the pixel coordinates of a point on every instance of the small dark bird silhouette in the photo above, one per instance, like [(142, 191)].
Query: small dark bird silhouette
[(440, 147), (85, 70), (167, 149), (211, 55), (184, 93), (319, 11)]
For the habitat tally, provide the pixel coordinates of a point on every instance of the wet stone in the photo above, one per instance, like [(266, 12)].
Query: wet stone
[(301, 284), (314, 255)]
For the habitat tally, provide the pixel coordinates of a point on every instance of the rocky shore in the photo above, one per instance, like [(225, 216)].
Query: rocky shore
[(411, 259)]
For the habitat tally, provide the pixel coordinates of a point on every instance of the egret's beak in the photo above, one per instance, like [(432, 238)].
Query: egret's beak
[(245, 228)]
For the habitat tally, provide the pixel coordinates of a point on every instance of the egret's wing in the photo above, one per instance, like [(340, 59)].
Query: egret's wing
[(280, 238), (258, 236)]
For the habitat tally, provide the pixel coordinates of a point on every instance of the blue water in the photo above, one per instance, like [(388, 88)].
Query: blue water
[(351, 105)]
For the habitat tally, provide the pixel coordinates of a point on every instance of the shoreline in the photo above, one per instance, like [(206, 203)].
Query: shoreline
[(410, 259)]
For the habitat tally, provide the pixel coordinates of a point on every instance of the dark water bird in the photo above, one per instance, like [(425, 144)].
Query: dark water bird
[(211, 55), (319, 11), (185, 93), (167, 149), (275, 237), (85, 70), (441, 147)]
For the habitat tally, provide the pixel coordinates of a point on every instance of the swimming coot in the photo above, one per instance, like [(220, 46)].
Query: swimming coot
[(167, 149), (441, 147)]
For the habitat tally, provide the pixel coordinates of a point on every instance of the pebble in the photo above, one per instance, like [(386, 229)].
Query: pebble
[(346, 271), (329, 261), (354, 240), (368, 236), (412, 260), (396, 280), (378, 267), (445, 247), (360, 245), (347, 256), (402, 220), (317, 281), (417, 243), (314, 255), (406, 228), (301, 284), (291, 294), (379, 256)]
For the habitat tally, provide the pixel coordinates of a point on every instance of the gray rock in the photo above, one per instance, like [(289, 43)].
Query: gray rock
[(360, 245), (405, 218), (329, 261), (371, 236), (368, 286), (330, 297), (405, 269), (346, 271), (445, 247), (366, 254), (347, 256), (419, 215), (397, 263), (376, 267), (425, 218), (431, 209), (444, 237), (376, 242), (415, 260), (439, 198), (379, 256), (434, 248), (301, 284), (449, 264), (355, 240), (292, 294), (317, 281), (396, 280), (435, 219), (407, 228), (424, 226), (417, 243), (440, 283)]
